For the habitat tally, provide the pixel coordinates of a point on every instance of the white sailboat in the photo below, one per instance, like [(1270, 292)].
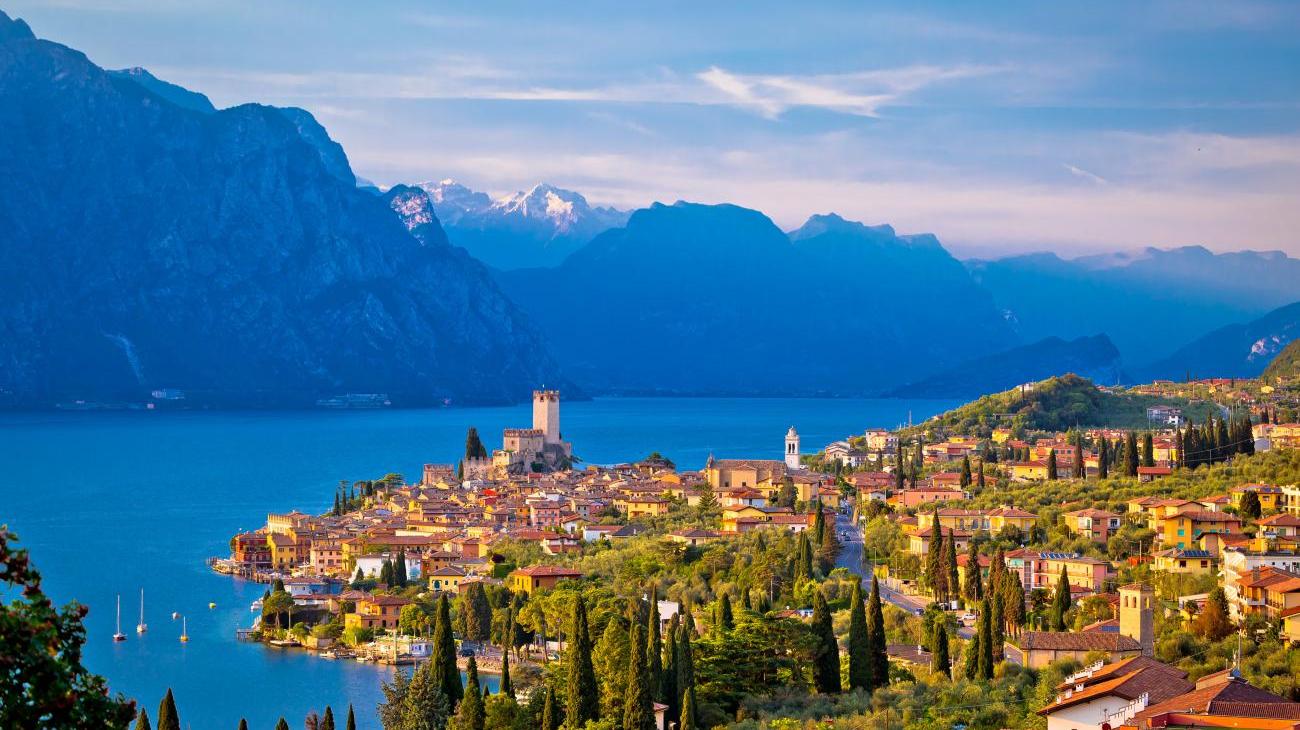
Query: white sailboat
[(141, 627), (118, 635), (184, 636)]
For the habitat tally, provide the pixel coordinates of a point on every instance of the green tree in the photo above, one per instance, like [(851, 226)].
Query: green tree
[(1103, 459), (550, 721), (1131, 454), (974, 588), (425, 705), (964, 479), (168, 719), (474, 448), (979, 476), (476, 612), (1051, 465), (142, 721), (685, 661), (826, 659), (507, 689), (637, 697), (723, 619), (934, 571), (583, 701), (828, 546), (788, 495), (243, 724), (1060, 602), (327, 722), (281, 724), (803, 564), (688, 709), (399, 569), (859, 641), (386, 574), (445, 673), (1250, 508), (1148, 450), (950, 567), (654, 648), (997, 626), (971, 658), (986, 640), (940, 661), (470, 714), (1213, 621), (352, 719), (879, 653)]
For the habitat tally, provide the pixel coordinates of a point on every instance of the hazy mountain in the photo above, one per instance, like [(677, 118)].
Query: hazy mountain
[(1235, 351), (539, 227), (178, 95), (691, 298), (1095, 358), (1149, 303), (1285, 365), (227, 253)]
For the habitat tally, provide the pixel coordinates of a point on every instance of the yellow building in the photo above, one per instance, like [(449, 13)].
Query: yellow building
[(539, 577), (1028, 471), (643, 506), (1184, 529), (1270, 497), (1011, 517), (728, 473), (447, 578), (376, 612), (1185, 562)]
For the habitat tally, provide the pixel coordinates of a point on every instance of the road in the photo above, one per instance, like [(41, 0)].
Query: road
[(851, 558)]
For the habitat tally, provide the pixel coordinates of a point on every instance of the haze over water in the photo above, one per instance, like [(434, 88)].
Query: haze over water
[(110, 503)]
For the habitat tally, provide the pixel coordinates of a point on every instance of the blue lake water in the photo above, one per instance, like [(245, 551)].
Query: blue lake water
[(110, 503)]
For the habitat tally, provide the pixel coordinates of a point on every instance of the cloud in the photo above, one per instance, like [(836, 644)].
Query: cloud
[(1080, 172)]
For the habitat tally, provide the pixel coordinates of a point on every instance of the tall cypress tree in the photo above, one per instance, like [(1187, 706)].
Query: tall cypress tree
[(327, 722), (803, 568), (1051, 465), (399, 568), (1060, 602), (471, 716), (637, 707), (950, 565), (1103, 459), (1131, 454), (243, 724), (352, 719), (583, 701), (971, 659), (168, 719), (934, 573), (859, 642), (686, 670), (446, 676), (826, 659), (879, 654), (974, 588), (474, 448), (688, 709), (998, 626), (940, 662), (979, 476), (1148, 450), (142, 721), (668, 682), (654, 648), (724, 620), (986, 640), (506, 688), (964, 478), (549, 719)]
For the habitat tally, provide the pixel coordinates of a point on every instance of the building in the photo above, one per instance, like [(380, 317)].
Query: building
[(1095, 524), (539, 577), (728, 473), (1184, 561), (1041, 648), (695, 536), (375, 612), (792, 449), (1137, 615), (1219, 700), (1183, 529), (1238, 564), (1107, 695), (539, 449)]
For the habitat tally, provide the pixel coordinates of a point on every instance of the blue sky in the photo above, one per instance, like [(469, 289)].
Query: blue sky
[(1073, 127)]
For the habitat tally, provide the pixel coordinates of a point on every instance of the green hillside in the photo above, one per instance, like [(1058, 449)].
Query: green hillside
[(1055, 404), (1286, 364)]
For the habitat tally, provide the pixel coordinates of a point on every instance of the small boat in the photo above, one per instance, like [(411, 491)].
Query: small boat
[(256, 606), (118, 635), (176, 615), (141, 627), (212, 604), (184, 634)]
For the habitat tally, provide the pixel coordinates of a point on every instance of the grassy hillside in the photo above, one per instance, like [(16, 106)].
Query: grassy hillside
[(1055, 404)]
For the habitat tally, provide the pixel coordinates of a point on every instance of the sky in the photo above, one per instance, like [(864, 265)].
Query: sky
[(1000, 127)]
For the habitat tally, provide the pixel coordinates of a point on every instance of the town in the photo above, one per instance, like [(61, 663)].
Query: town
[(1102, 572)]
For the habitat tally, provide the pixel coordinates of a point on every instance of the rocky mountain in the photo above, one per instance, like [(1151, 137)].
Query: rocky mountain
[(178, 95), (1094, 358), (690, 298), (148, 244), (1236, 351), (1149, 303), (1286, 364), (539, 227)]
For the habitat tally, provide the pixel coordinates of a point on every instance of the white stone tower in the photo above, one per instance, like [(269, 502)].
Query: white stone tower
[(546, 415), (792, 449), (1137, 615)]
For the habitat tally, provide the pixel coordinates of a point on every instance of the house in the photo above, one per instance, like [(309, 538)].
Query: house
[(1095, 524), (1087, 573), (375, 612), (1219, 700), (1004, 517), (918, 543), (1283, 524), (447, 578), (1184, 561), (539, 577), (1027, 471), (1183, 528), (695, 536), (1239, 564), (1152, 473), (643, 506), (726, 473), (1269, 592), (924, 494), (1041, 648), (1105, 695), (1270, 497)]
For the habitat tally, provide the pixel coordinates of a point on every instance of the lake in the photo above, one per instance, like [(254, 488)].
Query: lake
[(113, 502)]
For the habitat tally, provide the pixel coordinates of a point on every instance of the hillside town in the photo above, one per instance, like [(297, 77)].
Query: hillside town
[(1079, 553)]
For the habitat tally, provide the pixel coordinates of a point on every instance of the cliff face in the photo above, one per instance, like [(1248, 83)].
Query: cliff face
[(226, 253)]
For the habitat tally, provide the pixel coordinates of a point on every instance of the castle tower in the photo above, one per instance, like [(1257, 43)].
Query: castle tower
[(792, 449), (1137, 615), (546, 414)]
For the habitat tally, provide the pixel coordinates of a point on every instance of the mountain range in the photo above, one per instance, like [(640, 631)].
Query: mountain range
[(152, 241), (1095, 358), (538, 227), (1235, 351)]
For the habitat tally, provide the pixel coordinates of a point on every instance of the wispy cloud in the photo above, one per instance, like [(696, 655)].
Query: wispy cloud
[(1080, 172)]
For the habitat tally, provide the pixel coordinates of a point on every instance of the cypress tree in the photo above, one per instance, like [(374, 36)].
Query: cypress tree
[(971, 659), (898, 468), (950, 565), (979, 476), (724, 620), (1131, 454), (446, 676), (474, 448), (583, 701), (327, 722), (506, 688), (940, 662), (168, 719), (549, 720), (819, 522), (637, 708), (878, 655), (965, 471), (338, 509), (1060, 602), (399, 568), (934, 561), (386, 575), (668, 678), (828, 546), (352, 719), (1051, 465), (998, 625), (826, 660), (986, 640), (1078, 455), (974, 589), (803, 567), (470, 716), (281, 725), (142, 721), (688, 709), (859, 642), (1103, 459), (1148, 450), (654, 649), (243, 724)]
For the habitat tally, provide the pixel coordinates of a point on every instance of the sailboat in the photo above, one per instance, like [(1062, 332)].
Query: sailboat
[(184, 636), (141, 627), (118, 635)]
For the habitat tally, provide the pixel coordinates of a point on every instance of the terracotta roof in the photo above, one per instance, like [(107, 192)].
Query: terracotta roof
[(1061, 641), (1223, 693), (549, 571)]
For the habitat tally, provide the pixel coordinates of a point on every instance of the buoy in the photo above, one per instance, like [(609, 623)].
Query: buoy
[(176, 615)]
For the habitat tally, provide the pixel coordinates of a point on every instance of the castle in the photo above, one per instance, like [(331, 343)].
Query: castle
[(525, 450)]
